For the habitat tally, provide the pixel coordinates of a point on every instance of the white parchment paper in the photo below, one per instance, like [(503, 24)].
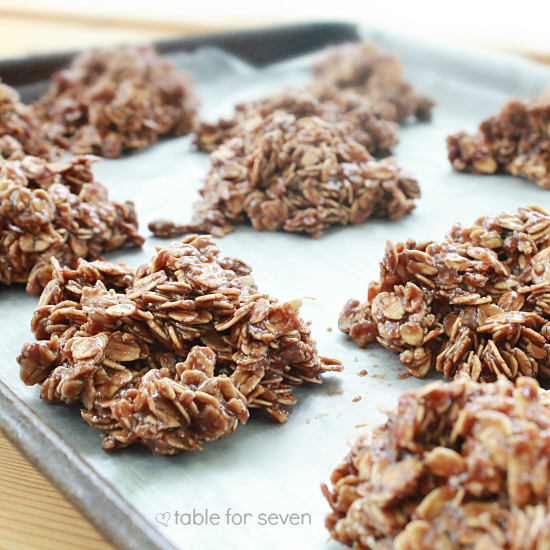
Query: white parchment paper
[(264, 467)]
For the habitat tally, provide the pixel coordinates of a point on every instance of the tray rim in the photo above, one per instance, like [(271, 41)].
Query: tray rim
[(270, 44)]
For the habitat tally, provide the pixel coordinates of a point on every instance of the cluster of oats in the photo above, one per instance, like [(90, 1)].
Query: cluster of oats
[(304, 160), (370, 70), (56, 209), (300, 175), (373, 120), (21, 131), (475, 305), (112, 101), (516, 141), (460, 465), (172, 354)]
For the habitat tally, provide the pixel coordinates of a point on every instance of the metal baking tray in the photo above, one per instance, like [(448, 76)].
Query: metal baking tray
[(263, 468)]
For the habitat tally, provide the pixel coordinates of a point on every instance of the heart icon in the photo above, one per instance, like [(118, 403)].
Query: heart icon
[(163, 518)]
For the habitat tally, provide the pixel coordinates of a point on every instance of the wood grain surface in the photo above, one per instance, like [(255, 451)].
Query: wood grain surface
[(33, 514)]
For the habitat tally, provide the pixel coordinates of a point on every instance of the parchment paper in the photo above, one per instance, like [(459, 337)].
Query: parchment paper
[(264, 467)]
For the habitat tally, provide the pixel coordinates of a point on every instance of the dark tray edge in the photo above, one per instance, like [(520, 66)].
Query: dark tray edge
[(259, 47), (95, 498)]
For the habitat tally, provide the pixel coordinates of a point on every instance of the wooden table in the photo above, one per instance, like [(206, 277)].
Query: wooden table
[(33, 514)]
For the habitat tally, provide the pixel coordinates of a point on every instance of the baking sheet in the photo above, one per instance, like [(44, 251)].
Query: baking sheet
[(264, 467)]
